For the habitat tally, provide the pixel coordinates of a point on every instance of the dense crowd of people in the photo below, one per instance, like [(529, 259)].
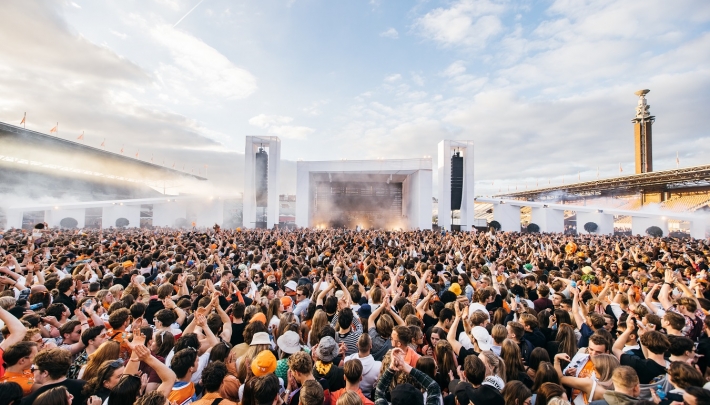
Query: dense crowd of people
[(340, 317)]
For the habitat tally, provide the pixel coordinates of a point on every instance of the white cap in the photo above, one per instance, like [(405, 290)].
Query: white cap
[(483, 338)]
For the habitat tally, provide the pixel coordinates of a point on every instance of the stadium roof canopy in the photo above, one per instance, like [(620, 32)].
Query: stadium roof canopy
[(666, 180), (37, 151)]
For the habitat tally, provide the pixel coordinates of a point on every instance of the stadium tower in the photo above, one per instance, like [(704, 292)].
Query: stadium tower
[(642, 134)]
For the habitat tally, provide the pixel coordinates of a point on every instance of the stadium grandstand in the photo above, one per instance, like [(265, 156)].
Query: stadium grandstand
[(36, 168)]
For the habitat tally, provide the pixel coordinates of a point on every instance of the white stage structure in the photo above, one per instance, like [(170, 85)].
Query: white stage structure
[(446, 150), (550, 217), (342, 183), (173, 212), (272, 145)]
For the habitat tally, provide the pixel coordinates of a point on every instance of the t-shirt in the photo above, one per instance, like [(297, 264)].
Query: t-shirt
[(463, 353), (26, 379), (237, 333), (646, 369), (586, 332), (2, 363), (182, 393), (73, 386)]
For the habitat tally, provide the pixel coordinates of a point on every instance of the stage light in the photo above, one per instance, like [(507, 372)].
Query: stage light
[(663, 218), (56, 208)]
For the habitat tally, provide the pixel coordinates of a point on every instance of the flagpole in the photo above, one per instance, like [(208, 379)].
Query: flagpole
[(24, 121)]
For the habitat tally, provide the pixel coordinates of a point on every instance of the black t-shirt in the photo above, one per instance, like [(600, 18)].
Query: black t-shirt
[(646, 369), (73, 386), (237, 333), (429, 322), (497, 303), (463, 353), (532, 294)]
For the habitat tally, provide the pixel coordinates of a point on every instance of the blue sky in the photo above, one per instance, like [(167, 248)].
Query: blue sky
[(544, 88)]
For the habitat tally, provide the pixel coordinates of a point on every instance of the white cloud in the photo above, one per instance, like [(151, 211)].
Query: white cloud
[(275, 125), (417, 79), (390, 33), (198, 65), (75, 5), (393, 78), (466, 22), (119, 34), (455, 69)]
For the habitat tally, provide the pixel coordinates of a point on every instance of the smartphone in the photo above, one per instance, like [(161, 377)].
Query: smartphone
[(355, 278), (36, 306), (517, 299), (573, 284)]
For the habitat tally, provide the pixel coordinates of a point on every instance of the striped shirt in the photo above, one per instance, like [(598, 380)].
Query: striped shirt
[(350, 339)]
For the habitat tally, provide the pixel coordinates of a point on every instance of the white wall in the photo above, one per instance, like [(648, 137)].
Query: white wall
[(548, 219), (640, 224), (445, 150), (54, 217), (605, 222), (131, 212), (416, 199), (166, 214), (507, 215)]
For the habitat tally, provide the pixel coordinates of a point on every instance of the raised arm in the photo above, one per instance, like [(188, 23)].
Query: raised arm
[(578, 318), (618, 348), (666, 290), (166, 375), (16, 328)]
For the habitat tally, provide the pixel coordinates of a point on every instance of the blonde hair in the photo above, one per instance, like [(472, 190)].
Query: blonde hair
[(605, 364), (349, 398), (320, 319), (109, 350), (495, 362)]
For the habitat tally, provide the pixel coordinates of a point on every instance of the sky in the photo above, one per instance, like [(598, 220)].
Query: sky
[(545, 89)]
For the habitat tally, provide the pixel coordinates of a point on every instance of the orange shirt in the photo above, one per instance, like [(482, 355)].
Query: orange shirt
[(411, 357), (26, 379), (183, 394), (586, 372)]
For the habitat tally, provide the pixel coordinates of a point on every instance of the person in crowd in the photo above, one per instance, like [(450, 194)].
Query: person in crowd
[(352, 370)]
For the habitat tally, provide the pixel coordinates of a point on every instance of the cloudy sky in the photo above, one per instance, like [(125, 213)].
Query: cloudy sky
[(543, 88)]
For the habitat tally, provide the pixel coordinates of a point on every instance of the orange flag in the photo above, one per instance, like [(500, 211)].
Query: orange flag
[(138, 152), (81, 136), (23, 119), (54, 129), (121, 148), (103, 143), (620, 169)]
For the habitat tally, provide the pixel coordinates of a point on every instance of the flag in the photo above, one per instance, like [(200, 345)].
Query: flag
[(121, 149), (173, 165), (677, 160), (24, 118), (80, 137), (620, 169), (139, 151), (103, 143), (54, 129)]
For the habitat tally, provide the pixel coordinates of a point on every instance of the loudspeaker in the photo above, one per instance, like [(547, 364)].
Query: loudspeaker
[(456, 181), (261, 173)]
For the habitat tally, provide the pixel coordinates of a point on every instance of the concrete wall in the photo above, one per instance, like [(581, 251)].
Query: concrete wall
[(54, 217), (416, 199), (605, 222), (131, 212), (548, 219), (507, 215), (640, 224), (166, 214)]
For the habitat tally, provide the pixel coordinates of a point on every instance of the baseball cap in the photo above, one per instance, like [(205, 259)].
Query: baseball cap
[(483, 338)]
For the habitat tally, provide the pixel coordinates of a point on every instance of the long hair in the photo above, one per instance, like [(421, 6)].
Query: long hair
[(538, 355), (126, 391), (545, 373), (567, 339), (285, 319), (515, 393), (243, 368), (548, 391), (152, 398), (274, 309), (54, 396), (605, 364), (562, 317), (108, 351), (495, 363), (510, 353), (320, 319), (446, 360), (104, 372), (164, 341)]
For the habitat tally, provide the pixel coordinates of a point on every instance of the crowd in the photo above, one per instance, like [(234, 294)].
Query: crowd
[(338, 317)]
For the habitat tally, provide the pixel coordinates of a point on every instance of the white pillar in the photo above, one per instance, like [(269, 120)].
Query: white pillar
[(55, 216), (508, 216), (640, 224), (273, 186), (605, 222), (697, 228), (14, 218), (167, 213), (445, 150), (548, 219)]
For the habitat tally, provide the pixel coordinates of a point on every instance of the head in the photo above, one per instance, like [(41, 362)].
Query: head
[(598, 345), (604, 365), (51, 365), (516, 330), (71, 332), (94, 336), (347, 398), (20, 354), (545, 373), (626, 381), (352, 370), (54, 396), (475, 370), (516, 393), (312, 393), (682, 375), (184, 363), (655, 341), (212, 376), (548, 391), (265, 389), (401, 337), (301, 365)]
